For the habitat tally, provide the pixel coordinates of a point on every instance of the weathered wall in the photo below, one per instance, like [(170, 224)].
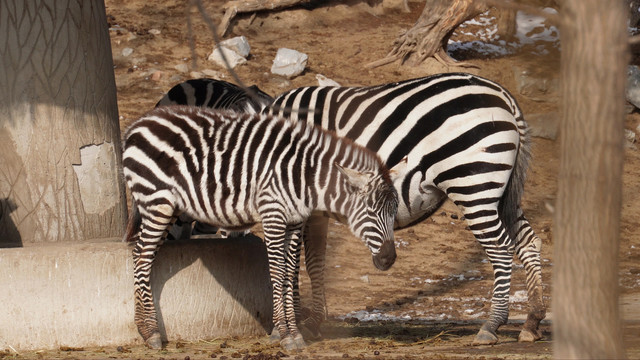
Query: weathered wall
[(82, 294)]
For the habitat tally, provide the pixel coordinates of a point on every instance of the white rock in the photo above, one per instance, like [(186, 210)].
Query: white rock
[(289, 63), (213, 74), (239, 44), (630, 138), (183, 68), (232, 57), (325, 81), (127, 51), (196, 75), (154, 31)]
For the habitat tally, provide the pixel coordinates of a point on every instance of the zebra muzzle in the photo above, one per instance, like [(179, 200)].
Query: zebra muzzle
[(386, 257)]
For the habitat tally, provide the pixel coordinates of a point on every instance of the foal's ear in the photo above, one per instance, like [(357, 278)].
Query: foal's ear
[(399, 170), (355, 178)]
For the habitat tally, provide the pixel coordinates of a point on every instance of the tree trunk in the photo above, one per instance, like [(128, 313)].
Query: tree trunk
[(586, 320), (59, 135)]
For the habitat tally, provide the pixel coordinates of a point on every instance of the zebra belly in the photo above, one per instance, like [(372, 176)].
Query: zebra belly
[(222, 214)]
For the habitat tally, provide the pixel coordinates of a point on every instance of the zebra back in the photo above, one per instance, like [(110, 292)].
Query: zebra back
[(216, 94)]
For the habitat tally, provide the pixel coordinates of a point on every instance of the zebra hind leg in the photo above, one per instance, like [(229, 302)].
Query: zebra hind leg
[(528, 246), (153, 227), (494, 238), (315, 248), (294, 339)]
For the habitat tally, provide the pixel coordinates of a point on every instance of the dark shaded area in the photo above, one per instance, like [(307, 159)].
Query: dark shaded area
[(9, 234)]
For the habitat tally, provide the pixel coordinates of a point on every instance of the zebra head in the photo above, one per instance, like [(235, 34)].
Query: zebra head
[(374, 205)]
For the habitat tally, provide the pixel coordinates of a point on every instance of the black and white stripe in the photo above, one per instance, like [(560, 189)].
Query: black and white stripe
[(465, 139), (216, 94), (233, 170)]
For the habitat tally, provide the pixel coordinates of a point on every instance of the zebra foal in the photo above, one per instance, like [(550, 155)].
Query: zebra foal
[(234, 170)]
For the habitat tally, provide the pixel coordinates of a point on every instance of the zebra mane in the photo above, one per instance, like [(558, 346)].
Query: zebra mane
[(350, 147)]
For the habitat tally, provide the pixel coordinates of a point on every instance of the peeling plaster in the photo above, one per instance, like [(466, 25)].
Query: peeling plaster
[(98, 190)]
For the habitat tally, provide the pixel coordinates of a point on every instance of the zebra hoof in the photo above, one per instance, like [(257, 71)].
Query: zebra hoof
[(485, 337), (274, 337), (289, 343), (529, 336), (154, 341)]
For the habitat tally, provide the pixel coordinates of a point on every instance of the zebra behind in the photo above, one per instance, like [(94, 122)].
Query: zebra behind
[(465, 139), (233, 170)]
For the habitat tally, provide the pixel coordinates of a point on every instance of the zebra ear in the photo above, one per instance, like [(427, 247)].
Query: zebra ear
[(399, 170), (355, 178)]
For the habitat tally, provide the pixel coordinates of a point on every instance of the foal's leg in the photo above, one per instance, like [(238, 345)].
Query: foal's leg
[(291, 295), (154, 223)]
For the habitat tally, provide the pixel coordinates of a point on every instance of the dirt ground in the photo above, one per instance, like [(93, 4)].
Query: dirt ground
[(432, 301)]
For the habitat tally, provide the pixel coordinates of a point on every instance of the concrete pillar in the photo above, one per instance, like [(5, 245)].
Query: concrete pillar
[(82, 294)]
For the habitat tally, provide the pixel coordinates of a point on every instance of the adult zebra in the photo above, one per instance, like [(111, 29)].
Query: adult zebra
[(233, 170), (465, 139)]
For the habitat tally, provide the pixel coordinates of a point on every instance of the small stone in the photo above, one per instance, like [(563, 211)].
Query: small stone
[(154, 31), (325, 81), (196, 75), (232, 57), (633, 85), (183, 68), (238, 44), (127, 51), (630, 136), (156, 76), (289, 63), (213, 74)]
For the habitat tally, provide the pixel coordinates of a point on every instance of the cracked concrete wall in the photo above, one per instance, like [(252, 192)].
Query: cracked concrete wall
[(203, 289)]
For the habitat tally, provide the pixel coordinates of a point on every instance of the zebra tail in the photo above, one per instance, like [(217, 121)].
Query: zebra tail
[(510, 201), (133, 225)]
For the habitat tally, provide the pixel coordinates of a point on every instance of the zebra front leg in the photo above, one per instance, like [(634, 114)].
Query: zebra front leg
[(153, 227), (528, 246), (275, 230)]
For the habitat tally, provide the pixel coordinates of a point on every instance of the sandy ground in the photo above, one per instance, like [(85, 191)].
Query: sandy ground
[(433, 300)]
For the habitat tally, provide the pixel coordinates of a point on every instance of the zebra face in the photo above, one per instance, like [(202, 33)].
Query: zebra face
[(382, 207), (372, 217)]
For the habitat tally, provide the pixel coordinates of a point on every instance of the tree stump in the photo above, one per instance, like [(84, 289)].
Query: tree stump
[(430, 34)]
